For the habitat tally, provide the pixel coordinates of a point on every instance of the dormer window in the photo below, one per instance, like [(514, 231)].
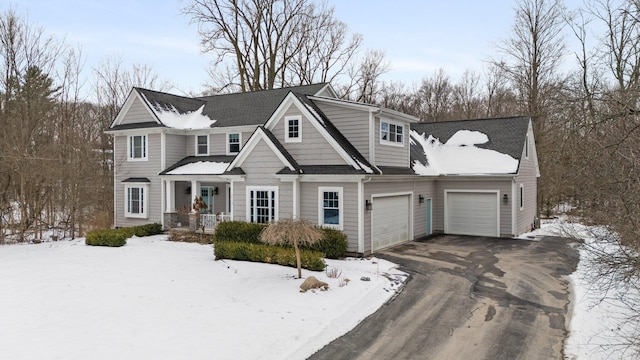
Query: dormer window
[(202, 145), (391, 133), (293, 129)]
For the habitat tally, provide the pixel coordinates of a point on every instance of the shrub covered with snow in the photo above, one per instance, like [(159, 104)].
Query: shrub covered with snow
[(270, 254)]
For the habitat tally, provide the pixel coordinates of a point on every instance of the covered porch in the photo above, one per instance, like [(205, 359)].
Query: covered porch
[(183, 208)]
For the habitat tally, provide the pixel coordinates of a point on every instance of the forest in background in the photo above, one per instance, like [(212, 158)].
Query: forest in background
[(56, 163)]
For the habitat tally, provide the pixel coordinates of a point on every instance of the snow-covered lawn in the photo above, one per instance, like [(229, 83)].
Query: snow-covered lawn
[(156, 299), (597, 317)]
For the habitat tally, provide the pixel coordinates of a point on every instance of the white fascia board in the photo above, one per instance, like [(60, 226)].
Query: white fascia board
[(151, 130), (332, 178), (291, 99), (207, 178), (328, 88), (251, 144), (534, 152), (398, 115), (345, 103), (133, 95)]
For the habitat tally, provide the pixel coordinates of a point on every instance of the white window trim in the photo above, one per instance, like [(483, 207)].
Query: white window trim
[(321, 191), (239, 142), (276, 207), (286, 129), (145, 200), (145, 149), (392, 143), (196, 144), (521, 198)]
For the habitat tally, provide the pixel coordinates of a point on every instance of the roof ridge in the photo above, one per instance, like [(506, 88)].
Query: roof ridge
[(166, 93), (477, 119), (290, 88)]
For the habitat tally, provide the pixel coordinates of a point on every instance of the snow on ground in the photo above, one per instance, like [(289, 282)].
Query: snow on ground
[(596, 324), (156, 299)]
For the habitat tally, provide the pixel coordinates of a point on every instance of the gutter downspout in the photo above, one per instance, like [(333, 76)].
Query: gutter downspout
[(361, 214)]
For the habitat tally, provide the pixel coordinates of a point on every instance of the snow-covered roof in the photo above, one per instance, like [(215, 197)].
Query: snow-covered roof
[(459, 155), (199, 165), (468, 147)]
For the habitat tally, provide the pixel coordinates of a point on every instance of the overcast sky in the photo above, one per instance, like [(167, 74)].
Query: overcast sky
[(418, 37)]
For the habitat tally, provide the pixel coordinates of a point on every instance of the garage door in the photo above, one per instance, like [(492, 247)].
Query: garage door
[(389, 221), (470, 213)]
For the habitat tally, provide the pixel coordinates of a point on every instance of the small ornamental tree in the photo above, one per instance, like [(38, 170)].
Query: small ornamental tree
[(292, 232)]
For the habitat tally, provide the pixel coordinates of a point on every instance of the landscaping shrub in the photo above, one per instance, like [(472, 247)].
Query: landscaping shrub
[(147, 229), (239, 231), (246, 251), (107, 237), (333, 245)]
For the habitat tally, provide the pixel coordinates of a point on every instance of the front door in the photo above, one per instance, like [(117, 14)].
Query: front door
[(207, 196)]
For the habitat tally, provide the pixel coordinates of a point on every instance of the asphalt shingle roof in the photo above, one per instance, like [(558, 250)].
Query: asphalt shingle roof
[(506, 135), (195, 159)]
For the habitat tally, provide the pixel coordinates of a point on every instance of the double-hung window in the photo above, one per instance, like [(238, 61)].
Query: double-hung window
[(330, 207), (233, 143), (262, 204), (137, 147), (293, 129), (391, 133), (135, 204), (202, 145)]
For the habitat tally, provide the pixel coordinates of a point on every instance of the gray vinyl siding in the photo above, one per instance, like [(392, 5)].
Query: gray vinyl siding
[(527, 177), (503, 186), (138, 113), (383, 186), (425, 187), (149, 169), (260, 168), (309, 205), (314, 148), (352, 123), (389, 155), (176, 148)]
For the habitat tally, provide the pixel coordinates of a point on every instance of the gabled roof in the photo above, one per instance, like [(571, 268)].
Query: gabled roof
[(237, 109), (341, 140), (262, 133), (482, 146)]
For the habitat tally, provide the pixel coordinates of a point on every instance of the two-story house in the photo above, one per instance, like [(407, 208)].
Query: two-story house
[(380, 176)]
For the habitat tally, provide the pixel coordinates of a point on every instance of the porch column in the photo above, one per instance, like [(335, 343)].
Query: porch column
[(195, 192), (170, 196)]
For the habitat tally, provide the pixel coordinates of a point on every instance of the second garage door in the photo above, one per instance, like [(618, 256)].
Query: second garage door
[(472, 213), (390, 221)]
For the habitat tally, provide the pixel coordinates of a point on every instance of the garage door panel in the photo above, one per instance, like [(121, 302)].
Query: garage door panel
[(390, 221), (470, 213)]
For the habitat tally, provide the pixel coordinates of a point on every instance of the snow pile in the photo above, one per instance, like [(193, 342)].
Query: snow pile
[(156, 299), (598, 318), (190, 120), (200, 168), (460, 156)]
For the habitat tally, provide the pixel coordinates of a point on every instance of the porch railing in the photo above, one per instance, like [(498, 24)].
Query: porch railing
[(210, 221)]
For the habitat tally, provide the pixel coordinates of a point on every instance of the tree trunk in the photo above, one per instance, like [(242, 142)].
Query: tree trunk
[(298, 261)]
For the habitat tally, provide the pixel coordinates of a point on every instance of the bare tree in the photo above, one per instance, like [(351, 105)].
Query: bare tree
[(273, 43), (292, 232), (364, 83)]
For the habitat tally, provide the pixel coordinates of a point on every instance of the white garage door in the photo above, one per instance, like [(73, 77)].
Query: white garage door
[(389, 221), (470, 213)]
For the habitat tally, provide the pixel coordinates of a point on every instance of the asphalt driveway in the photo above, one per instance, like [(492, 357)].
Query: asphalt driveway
[(470, 298)]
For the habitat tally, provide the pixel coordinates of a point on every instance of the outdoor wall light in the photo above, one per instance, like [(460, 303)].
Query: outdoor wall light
[(420, 199), (188, 191), (368, 205), (505, 198), (215, 190)]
